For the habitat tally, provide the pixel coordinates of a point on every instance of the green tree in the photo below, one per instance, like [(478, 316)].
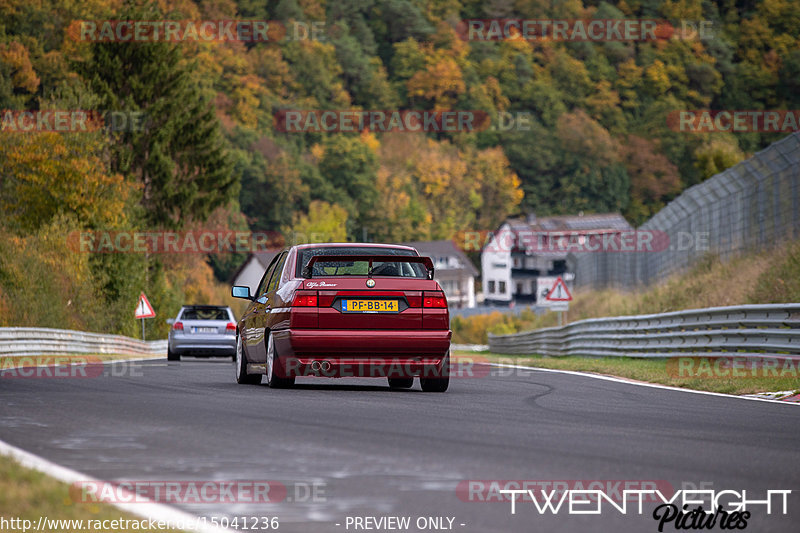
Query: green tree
[(180, 157), (349, 165), (324, 222)]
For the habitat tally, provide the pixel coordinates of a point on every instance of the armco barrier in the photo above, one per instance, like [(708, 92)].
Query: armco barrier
[(737, 331), (38, 341)]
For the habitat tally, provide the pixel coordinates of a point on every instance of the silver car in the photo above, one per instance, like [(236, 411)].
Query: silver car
[(202, 330)]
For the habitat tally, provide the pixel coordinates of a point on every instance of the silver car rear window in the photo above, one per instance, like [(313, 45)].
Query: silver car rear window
[(205, 314)]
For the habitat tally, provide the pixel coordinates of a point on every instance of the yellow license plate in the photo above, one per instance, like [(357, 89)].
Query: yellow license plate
[(370, 306)]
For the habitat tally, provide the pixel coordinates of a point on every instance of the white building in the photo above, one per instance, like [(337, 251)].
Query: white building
[(452, 269), (523, 249)]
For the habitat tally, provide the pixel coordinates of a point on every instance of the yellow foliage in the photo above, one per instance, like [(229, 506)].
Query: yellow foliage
[(50, 173), (369, 139), (318, 152), (657, 78), (324, 223), (441, 83), (16, 56)]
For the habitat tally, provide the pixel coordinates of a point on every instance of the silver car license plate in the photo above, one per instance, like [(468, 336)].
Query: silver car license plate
[(204, 330)]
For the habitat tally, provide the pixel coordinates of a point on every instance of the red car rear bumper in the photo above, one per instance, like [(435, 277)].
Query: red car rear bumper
[(362, 353)]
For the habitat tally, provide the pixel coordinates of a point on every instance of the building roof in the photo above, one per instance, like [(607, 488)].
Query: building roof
[(445, 248), (570, 224), (590, 222), (264, 258)]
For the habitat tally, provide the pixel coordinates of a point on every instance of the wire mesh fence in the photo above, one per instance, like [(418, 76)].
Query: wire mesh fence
[(752, 206)]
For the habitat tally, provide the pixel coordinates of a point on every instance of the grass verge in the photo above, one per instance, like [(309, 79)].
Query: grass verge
[(649, 370), (27, 494)]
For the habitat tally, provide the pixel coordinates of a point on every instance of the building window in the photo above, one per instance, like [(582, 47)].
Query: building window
[(517, 262), (491, 287), (519, 288), (502, 287)]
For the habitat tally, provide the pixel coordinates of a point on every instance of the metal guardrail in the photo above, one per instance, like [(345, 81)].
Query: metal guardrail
[(47, 341), (737, 331)]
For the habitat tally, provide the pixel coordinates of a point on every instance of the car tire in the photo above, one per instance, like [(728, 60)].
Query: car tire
[(172, 356), (273, 381), (242, 377), (438, 383), (401, 383)]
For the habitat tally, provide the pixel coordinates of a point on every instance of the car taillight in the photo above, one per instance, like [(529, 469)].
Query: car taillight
[(434, 299), (178, 325), (305, 299), (230, 327)]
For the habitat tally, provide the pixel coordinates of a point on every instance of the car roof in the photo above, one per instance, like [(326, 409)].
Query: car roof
[(205, 307)]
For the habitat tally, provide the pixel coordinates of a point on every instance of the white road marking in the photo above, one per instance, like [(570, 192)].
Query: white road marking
[(640, 384), (148, 510)]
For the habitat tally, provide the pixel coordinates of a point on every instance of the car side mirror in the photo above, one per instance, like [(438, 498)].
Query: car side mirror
[(170, 321), (241, 291)]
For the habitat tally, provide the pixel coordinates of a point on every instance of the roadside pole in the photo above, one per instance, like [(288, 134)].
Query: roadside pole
[(144, 310)]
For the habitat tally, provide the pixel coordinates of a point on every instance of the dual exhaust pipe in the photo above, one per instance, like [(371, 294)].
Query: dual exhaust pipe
[(324, 366)]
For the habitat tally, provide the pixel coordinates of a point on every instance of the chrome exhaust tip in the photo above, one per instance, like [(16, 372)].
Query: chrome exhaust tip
[(315, 366), (325, 366)]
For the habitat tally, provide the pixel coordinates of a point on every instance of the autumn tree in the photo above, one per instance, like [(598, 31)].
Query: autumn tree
[(654, 179), (180, 157), (43, 175)]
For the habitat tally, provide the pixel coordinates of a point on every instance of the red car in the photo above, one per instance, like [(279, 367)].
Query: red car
[(339, 310)]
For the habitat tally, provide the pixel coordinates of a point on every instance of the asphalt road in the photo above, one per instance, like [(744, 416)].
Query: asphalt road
[(367, 451)]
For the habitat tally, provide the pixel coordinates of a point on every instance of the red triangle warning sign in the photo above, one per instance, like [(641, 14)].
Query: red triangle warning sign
[(143, 308), (559, 292)]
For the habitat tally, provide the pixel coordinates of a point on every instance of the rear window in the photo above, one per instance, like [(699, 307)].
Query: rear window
[(205, 313), (360, 268)]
